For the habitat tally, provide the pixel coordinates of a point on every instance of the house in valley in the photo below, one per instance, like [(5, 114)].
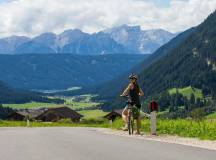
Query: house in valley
[(55, 114), (114, 114), (22, 114)]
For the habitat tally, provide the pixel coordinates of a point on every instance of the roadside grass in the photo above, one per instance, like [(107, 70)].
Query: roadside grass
[(63, 123), (93, 114), (205, 129), (187, 91)]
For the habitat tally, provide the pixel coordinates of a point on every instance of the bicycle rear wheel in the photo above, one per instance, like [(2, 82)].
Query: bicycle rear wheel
[(130, 125)]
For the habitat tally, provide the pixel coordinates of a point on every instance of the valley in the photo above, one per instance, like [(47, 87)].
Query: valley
[(84, 74)]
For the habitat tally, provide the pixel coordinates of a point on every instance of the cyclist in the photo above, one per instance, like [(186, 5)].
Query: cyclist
[(133, 91)]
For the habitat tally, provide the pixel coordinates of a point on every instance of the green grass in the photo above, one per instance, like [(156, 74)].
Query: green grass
[(68, 101), (80, 105), (204, 129), (64, 123), (30, 105), (211, 116), (85, 103), (187, 91), (89, 114)]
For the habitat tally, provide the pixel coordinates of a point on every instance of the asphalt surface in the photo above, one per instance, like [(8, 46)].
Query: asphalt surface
[(88, 144)]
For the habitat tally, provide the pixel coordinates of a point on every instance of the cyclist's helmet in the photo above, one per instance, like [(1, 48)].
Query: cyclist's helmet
[(133, 76)]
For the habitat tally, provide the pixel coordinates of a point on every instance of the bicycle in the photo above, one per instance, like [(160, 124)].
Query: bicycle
[(130, 119), (130, 123)]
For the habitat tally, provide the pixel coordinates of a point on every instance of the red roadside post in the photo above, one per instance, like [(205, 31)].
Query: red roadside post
[(153, 116)]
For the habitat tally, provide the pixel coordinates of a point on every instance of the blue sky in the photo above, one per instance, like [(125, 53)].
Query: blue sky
[(32, 17), (162, 3)]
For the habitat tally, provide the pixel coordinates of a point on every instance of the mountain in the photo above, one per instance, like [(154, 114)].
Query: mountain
[(49, 40), (187, 60), (32, 47), (71, 36), (57, 42), (192, 62), (9, 44), (55, 71), (140, 41), (98, 43), (118, 83), (12, 95), (123, 39)]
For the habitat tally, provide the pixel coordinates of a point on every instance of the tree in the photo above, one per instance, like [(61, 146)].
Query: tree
[(192, 99), (199, 102)]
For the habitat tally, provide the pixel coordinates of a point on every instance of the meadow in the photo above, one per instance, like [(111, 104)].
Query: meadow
[(69, 101), (31, 105), (203, 129), (187, 91), (93, 114)]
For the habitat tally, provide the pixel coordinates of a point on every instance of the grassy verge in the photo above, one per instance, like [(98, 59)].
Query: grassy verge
[(63, 123), (205, 129)]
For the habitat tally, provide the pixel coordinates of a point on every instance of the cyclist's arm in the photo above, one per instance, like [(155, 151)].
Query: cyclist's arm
[(141, 93), (127, 90)]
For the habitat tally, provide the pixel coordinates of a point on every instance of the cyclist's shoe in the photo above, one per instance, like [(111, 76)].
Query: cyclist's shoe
[(137, 133), (125, 128)]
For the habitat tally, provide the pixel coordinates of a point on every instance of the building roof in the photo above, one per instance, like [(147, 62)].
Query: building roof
[(62, 111), (117, 112), (32, 113)]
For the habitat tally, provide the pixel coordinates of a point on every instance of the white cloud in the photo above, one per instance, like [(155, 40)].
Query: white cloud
[(31, 17)]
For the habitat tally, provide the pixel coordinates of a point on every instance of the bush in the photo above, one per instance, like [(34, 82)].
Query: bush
[(66, 120), (198, 114), (94, 121)]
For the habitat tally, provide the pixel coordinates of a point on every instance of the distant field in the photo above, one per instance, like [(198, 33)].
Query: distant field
[(84, 102), (30, 105), (69, 101), (89, 114), (187, 91), (79, 105)]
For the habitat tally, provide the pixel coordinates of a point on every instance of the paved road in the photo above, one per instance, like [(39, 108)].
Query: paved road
[(88, 144)]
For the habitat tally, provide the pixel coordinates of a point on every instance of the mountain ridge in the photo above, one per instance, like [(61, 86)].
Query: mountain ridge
[(75, 41)]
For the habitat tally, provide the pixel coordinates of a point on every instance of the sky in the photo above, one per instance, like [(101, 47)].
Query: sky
[(33, 17)]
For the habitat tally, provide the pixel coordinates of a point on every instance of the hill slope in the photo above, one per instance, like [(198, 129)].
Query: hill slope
[(54, 71), (12, 95), (192, 62), (187, 60), (118, 83)]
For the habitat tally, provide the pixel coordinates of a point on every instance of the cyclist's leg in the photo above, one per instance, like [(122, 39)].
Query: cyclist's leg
[(125, 117)]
